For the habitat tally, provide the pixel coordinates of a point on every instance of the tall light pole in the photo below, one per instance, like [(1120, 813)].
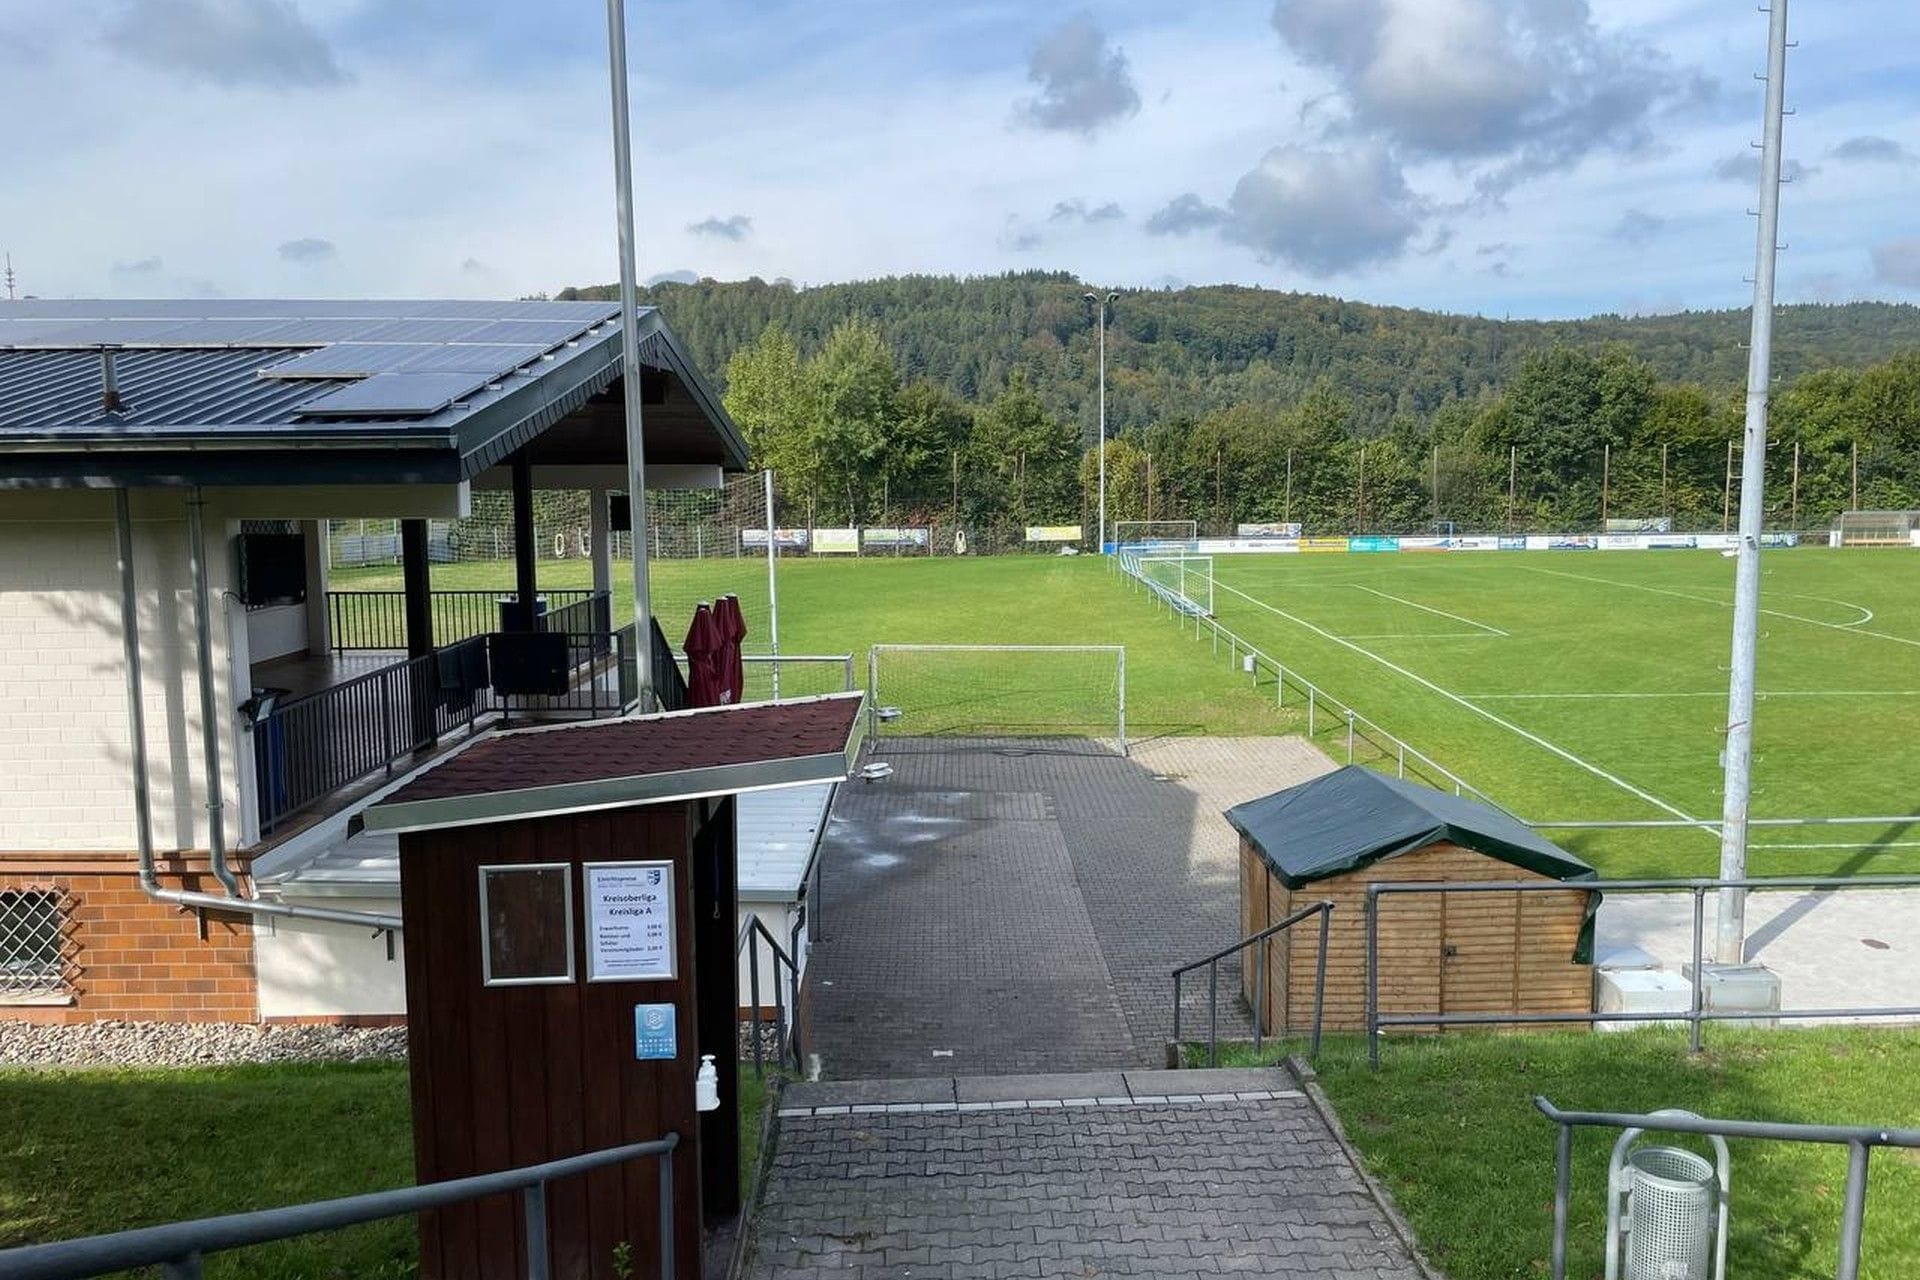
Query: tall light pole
[(1103, 307), (1729, 944), (630, 350)]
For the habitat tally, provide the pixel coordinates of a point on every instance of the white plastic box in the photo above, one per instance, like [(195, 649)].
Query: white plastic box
[(1639, 991)]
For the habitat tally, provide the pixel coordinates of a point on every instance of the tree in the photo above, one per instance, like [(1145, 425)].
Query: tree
[(767, 398), (1028, 458), (851, 392)]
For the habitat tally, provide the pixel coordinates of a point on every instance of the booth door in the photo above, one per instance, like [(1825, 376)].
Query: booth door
[(1480, 962), (1412, 941)]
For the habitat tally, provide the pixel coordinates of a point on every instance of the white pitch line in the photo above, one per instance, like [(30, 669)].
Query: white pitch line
[(1842, 844), (1846, 628), (1504, 723), (1424, 635), (1424, 608), (1707, 693)]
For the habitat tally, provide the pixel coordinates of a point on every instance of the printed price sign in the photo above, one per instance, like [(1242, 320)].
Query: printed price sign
[(630, 934)]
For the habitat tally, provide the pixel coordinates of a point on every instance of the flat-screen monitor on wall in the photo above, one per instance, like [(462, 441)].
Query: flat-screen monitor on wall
[(273, 569)]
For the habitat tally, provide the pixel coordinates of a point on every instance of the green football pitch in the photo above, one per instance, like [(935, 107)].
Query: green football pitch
[(1591, 686), (1567, 686)]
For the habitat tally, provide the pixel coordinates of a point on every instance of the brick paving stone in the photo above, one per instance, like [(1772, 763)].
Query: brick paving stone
[(1019, 910), (1256, 1188)]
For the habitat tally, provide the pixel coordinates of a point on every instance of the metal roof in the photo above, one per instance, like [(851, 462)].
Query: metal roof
[(215, 392)]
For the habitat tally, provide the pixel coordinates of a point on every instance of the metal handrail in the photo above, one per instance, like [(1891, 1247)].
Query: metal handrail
[(376, 619), (787, 1020), (1262, 939), (1696, 1013), (1858, 1139), (178, 1248)]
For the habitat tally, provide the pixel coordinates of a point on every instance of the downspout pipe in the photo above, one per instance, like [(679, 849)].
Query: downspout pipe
[(209, 715), (142, 797)]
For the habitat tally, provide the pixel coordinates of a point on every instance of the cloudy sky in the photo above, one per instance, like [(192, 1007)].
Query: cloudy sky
[(1516, 157)]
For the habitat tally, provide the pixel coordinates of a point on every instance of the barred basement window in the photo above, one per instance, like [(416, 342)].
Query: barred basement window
[(33, 944)]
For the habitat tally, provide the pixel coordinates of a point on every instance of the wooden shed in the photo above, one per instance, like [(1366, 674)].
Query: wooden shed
[(1439, 953), (569, 896)]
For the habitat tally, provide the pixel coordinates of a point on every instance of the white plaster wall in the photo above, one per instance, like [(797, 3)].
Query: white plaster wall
[(310, 968), (276, 631), (779, 918), (65, 744)]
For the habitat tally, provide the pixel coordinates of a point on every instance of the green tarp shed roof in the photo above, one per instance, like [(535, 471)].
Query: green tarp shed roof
[(1354, 816)]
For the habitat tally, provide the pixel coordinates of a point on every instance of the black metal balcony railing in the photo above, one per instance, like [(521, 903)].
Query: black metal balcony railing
[(308, 748), (363, 620)]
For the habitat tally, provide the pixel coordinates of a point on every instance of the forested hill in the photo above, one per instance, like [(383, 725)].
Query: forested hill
[(1180, 353)]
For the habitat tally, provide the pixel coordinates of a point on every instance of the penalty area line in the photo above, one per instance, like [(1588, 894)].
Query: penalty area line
[(1425, 608), (1502, 721), (1853, 628)]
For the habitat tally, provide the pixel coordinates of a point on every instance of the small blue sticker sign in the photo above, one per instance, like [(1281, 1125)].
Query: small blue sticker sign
[(654, 1035)]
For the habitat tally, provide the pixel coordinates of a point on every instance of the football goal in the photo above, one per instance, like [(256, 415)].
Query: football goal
[(1150, 533), (1185, 582), (997, 691), (1876, 529)]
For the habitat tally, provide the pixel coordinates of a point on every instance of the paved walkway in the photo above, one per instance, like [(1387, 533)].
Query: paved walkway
[(993, 908), (1850, 949), (1167, 1174)]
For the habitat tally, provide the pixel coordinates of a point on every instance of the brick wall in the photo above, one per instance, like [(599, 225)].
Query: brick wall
[(130, 957)]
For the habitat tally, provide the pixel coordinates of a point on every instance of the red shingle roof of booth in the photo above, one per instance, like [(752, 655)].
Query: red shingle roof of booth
[(638, 748)]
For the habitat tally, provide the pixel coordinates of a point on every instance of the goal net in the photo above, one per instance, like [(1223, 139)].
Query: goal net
[(1876, 529), (1185, 582), (1149, 533), (1066, 693)]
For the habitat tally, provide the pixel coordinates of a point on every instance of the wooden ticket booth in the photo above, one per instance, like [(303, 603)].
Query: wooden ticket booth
[(569, 901)]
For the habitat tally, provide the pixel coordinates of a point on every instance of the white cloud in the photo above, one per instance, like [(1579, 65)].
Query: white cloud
[(735, 227), (1516, 87), (1078, 210), (1744, 167), (1324, 211), (307, 250), (1871, 149), (1186, 213), (228, 43), (1083, 83), (1897, 262), (1637, 227)]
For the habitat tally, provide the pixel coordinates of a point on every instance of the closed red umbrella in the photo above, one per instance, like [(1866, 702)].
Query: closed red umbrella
[(733, 630), (703, 647)]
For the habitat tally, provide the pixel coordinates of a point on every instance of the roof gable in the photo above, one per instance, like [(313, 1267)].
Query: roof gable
[(1354, 817)]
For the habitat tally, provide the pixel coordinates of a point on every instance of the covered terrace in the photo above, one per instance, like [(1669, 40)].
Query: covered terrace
[(221, 437)]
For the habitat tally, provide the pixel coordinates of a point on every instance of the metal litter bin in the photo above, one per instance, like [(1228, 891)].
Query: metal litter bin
[(1666, 1211)]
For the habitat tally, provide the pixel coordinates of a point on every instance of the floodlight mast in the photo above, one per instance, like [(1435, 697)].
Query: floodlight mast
[(630, 351), (1731, 907), (1103, 307)]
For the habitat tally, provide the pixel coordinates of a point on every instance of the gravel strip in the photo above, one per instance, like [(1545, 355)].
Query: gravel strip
[(192, 1044)]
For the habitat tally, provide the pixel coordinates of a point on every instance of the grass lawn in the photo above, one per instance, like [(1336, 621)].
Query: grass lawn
[(83, 1152), (1448, 1124), (1566, 686), (1593, 687), (845, 606)]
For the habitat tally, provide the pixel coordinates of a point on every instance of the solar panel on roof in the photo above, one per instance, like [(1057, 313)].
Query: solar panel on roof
[(395, 394), (545, 332), (363, 359)]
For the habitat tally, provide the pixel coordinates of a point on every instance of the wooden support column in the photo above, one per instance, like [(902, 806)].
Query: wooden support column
[(526, 585)]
